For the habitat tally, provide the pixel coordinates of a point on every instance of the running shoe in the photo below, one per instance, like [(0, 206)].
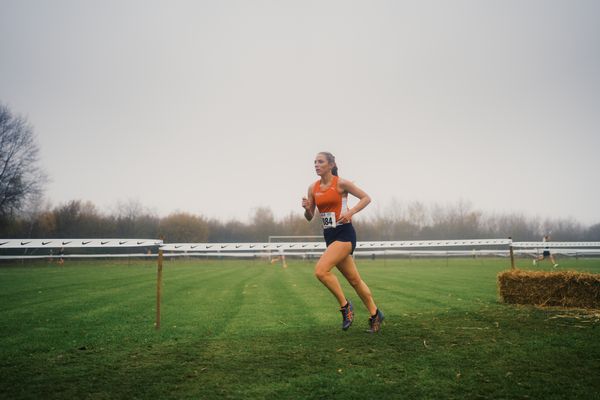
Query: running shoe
[(534, 261), (555, 265), (375, 322), (347, 315)]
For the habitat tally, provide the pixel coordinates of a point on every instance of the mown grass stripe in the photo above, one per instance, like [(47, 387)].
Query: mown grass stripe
[(247, 329)]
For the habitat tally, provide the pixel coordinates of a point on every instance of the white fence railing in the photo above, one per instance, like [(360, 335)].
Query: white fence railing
[(76, 248), (76, 243), (554, 244), (295, 246), (35, 248)]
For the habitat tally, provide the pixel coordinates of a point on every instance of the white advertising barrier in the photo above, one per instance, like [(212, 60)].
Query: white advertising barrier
[(229, 247), (499, 247), (76, 243), (554, 244)]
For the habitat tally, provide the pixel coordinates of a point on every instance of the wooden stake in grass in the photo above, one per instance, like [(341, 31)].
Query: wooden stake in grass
[(512, 256), (158, 287)]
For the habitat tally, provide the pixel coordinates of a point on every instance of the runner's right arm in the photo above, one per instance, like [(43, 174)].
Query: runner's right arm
[(308, 203)]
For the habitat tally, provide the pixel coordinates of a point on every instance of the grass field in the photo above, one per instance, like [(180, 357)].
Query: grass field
[(247, 329)]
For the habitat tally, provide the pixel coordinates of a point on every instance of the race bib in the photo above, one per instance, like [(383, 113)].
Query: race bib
[(328, 219)]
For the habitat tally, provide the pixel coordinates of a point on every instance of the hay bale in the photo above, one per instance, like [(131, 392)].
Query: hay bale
[(564, 288)]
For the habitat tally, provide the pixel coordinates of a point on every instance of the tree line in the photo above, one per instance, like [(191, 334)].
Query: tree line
[(411, 221), (22, 214)]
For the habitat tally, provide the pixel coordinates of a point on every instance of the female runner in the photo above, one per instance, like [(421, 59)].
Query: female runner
[(330, 196)]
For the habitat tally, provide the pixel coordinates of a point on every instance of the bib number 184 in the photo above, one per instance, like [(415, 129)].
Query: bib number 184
[(328, 219)]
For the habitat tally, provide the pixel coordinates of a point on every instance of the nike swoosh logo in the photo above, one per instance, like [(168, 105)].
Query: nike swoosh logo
[(123, 242), (66, 242), (238, 246), (252, 246), (139, 243), (24, 243), (193, 247), (84, 243), (223, 246), (45, 243), (3, 243), (208, 247), (103, 243), (178, 246)]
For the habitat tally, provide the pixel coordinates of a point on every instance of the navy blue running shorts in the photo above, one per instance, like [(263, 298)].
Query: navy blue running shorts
[(546, 253), (341, 233)]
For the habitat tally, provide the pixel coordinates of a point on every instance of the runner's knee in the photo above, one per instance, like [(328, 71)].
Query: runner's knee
[(321, 271), (354, 281)]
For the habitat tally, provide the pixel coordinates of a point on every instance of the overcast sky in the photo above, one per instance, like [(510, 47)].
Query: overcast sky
[(218, 107)]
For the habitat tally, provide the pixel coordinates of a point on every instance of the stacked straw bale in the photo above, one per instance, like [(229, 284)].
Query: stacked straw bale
[(564, 288)]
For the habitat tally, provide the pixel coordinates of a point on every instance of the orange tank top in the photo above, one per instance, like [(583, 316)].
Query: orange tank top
[(330, 203)]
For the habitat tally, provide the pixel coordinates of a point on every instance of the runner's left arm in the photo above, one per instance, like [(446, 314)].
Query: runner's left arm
[(363, 199)]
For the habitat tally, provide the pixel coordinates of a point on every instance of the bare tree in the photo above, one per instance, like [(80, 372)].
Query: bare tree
[(516, 225), (263, 223), (184, 227), (132, 219), (20, 176), (417, 214), (81, 219), (593, 233)]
